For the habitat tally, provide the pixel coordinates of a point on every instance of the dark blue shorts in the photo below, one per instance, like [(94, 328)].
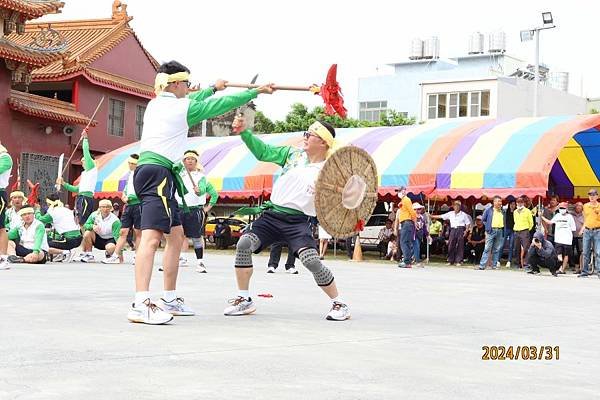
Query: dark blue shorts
[(192, 222), (64, 243), (84, 206), (293, 230), (132, 217), (101, 243), (3, 207), (155, 188), (24, 251)]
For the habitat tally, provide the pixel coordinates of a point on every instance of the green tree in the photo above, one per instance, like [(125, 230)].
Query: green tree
[(262, 124), (299, 119), (594, 111)]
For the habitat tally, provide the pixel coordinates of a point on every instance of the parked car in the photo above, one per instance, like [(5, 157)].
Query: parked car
[(369, 237), (235, 226)]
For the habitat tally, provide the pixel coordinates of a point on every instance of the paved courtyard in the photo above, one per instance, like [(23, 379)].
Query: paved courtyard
[(415, 334)]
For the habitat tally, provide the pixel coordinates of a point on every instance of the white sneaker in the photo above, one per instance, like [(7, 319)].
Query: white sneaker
[(148, 313), (4, 264), (87, 258), (177, 307), (292, 271), (200, 268), (114, 259), (70, 256), (183, 262), (508, 264), (497, 265), (133, 260), (270, 270), (240, 306), (59, 257), (338, 312)]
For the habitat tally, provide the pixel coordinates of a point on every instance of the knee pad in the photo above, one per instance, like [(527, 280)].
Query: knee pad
[(247, 244), (310, 259), (198, 243)]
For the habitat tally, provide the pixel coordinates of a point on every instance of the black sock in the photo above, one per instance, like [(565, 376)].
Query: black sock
[(199, 253)]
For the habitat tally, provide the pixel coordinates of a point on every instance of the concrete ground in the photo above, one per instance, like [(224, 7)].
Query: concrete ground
[(414, 334)]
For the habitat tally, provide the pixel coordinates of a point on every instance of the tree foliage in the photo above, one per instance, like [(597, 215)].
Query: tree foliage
[(300, 118)]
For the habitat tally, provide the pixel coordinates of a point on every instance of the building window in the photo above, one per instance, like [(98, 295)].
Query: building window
[(116, 117), (371, 110), (463, 104), (139, 121)]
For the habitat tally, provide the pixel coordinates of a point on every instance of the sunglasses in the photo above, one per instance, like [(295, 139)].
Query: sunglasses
[(592, 194), (308, 134)]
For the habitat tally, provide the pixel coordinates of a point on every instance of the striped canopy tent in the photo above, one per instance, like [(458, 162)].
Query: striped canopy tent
[(457, 158)]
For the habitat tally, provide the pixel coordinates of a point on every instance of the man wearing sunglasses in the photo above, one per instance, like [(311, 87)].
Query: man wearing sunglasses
[(287, 217), (591, 234), (167, 121)]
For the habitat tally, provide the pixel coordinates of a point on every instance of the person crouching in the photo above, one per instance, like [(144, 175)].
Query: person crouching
[(31, 245), (102, 230)]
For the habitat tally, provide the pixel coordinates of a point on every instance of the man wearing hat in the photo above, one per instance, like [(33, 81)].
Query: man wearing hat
[(460, 223), (132, 216), (65, 236), (421, 231), (17, 201), (84, 202), (167, 120), (523, 223), (31, 245), (192, 220), (564, 226), (287, 217), (591, 234), (5, 168), (541, 253), (102, 230), (494, 219), (404, 226)]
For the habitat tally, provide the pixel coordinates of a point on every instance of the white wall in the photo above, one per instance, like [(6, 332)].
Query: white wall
[(451, 87), (515, 99)]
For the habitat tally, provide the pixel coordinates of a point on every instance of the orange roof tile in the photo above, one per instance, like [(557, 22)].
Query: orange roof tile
[(87, 40), (104, 78), (33, 9), (16, 52), (44, 107)]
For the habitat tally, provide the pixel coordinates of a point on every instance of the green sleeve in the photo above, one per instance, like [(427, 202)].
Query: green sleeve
[(89, 224), (116, 229), (6, 163), (214, 196), (45, 219), (265, 152), (88, 161), (205, 109), (201, 94), (71, 188), (13, 234), (40, 232)]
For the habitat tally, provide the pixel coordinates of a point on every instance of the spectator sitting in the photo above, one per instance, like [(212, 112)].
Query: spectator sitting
[(437, 241), (393, 211), (384, 237), (476, 241), (541, 253), (31, 244), (392, 248)]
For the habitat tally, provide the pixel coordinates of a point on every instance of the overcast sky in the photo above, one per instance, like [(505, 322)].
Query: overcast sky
[(295, 42)]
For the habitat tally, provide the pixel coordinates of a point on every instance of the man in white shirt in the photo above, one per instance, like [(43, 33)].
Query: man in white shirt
[(564, 226), (460, 223)]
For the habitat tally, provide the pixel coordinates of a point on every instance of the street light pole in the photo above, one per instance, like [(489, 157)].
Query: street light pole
[(537, 72)]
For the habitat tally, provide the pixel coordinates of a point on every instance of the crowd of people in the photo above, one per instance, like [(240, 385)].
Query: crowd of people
[(560, 236)]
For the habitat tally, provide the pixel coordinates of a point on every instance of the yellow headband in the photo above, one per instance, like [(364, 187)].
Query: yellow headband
[(55, 203), (25, 210), (320, 130), (105, 203), (162, 80), (3, 149), (17, 193), (132, 160), (190, 154)]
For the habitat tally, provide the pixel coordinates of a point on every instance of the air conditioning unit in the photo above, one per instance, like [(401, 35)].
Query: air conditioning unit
[(68, 130)]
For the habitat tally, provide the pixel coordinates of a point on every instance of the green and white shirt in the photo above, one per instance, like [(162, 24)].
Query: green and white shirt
[(168, 119), (198, 179), (110, 226), (89, 176), (12, 219), (32, 237), (295, 187), (6, 165), (62, 220), (129, 191)]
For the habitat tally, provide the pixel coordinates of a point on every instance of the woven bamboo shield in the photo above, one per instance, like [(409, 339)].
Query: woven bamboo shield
[(346, 191)]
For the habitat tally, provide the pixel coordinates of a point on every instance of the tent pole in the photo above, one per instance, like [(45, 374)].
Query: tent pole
[(428, 225)]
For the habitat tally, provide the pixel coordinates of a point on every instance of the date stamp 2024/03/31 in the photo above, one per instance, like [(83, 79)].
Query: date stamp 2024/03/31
[(500, 353)]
